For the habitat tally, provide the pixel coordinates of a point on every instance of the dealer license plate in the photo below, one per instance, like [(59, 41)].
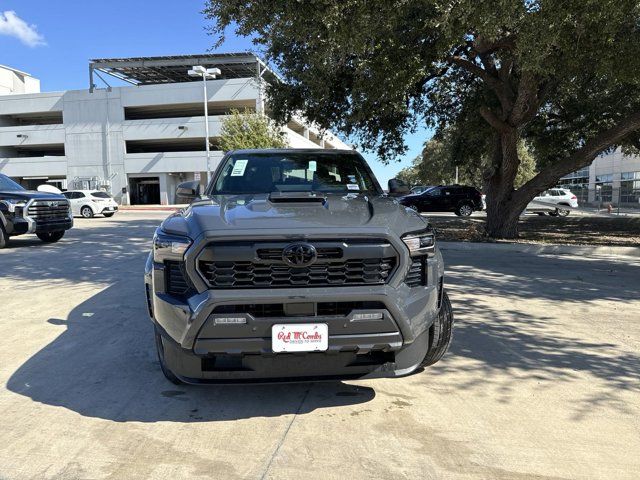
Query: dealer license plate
[(300, 337)]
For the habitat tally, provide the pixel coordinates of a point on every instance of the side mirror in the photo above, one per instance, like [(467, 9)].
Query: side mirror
[(189, 190), (398, 187)]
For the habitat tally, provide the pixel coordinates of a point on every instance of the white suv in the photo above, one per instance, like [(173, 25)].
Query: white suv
[(87, 203), (551, 201)]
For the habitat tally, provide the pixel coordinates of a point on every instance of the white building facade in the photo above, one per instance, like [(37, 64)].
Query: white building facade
[(138, 142), (613, 178)]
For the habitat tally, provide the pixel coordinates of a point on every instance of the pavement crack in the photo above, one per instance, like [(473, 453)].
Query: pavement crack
[(286, 432)]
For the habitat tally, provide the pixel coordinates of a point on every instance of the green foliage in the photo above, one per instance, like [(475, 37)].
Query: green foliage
[(373, 69), (437, 163), (242, 130)]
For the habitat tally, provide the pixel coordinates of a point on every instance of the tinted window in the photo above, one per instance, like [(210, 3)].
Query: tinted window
[(100, 194), (294, 172), (8, 185), (68, 194), (434, 192)]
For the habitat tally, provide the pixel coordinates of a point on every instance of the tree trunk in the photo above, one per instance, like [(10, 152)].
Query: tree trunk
[(503, 207)]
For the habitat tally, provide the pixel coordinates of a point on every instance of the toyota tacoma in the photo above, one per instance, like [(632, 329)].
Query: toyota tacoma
[(21, 211), (295, 265)]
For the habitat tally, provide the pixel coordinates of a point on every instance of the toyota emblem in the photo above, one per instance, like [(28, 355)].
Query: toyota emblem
[(299, 255)]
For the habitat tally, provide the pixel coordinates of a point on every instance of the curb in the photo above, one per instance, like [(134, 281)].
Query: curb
[(538, 249)]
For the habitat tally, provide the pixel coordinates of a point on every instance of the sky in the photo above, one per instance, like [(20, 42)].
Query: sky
[(54, 40)]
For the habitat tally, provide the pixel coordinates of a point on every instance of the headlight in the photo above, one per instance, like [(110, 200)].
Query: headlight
[(420, 243), (12, 203), (171, 247)]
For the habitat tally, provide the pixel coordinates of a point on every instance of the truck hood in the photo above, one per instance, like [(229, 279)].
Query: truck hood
[(30, 194), (224, 214)]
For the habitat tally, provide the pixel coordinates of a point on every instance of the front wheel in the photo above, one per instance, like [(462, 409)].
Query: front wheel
[(563, 212), (4, 237), (108, 215), (50, 237), (464, 210), (440, 333)]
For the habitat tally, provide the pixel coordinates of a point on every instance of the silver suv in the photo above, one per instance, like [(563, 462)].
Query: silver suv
[(294, 265)]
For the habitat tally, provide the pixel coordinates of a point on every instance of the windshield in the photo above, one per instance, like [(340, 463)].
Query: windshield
[(294, 172), (8, 185), (100, 194)]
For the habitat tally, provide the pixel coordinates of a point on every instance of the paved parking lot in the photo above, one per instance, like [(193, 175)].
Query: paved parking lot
[(542, 381)]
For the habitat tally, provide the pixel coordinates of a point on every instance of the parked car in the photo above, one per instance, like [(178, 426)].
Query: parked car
[(461, 200), (551, 201), (294, 266), (21, 211), (420, 188), (88, 203)]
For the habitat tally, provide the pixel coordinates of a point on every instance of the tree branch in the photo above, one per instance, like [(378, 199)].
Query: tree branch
[(493, 120), (493, 82), (581, 157)]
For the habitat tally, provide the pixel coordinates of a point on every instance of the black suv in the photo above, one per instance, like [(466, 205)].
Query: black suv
[(21, 211), (461, 200)]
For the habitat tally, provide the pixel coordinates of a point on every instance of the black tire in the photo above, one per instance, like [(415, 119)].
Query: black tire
[(563, 212), (464, 210), (4, 238), (440, 334), (110, 214), (169, 375), (554, 213), (86, 212), (50, 237)]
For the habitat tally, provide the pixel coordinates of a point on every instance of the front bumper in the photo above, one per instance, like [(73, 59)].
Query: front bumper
[(198, 350), (109, 209), (22, 225)]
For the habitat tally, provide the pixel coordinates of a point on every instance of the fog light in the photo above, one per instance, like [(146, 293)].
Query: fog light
[(368, 316)]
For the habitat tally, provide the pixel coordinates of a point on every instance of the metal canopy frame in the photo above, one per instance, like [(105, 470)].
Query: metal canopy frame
[(173, 69)]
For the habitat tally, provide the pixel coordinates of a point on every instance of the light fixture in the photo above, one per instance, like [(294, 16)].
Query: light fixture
[(206, 74)]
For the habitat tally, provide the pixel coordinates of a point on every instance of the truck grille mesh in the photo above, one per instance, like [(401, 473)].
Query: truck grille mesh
[(369, 271), (48, 211)]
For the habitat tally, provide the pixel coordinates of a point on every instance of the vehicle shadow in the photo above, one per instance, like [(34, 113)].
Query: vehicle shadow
[(103, 365)]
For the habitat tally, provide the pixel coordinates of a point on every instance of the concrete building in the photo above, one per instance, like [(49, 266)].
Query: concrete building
[(612, 178), (137, 141), (15, 81)]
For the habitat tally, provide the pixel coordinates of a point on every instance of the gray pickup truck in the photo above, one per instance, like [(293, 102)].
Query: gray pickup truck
[(295, 265)]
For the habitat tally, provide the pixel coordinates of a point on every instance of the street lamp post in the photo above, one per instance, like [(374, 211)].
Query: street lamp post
[(206, 74)]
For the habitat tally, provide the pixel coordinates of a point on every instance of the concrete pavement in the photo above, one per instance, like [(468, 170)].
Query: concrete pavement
[(542, 380)]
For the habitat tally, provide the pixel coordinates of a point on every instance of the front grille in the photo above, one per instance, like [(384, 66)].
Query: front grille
[(260, 264), (176, 281), (323, 309), (48, 211), (366, 271), (417, 275)]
